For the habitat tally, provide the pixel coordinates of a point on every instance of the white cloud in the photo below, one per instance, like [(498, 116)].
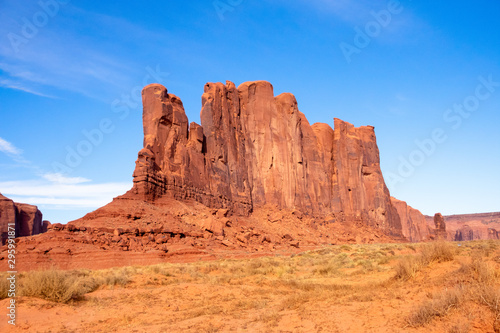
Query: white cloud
[(63, 195), (60, 179), (39, 188), (7, 83), (63, 203), (9, 148), (53, 61)]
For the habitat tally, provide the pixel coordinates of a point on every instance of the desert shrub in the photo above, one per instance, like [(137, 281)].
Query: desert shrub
[(56, 286), (411, 247), (383, 260), (162, 269), (459, 328), (342, 260), (4, 286), (478, 270), (330, 250), (489, 296), (331, 265), (367, 266), (408, 266), (116, 278), (346, 248), (438, 251), (438, 306), (327, 270)]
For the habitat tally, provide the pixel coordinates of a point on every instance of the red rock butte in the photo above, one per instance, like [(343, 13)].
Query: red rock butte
[(255, 177), (254, 149)]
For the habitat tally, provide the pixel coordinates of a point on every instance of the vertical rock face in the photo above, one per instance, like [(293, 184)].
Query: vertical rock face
[(8, 215), (440, 226), (26, 219), (493, 234), (414, 224), (253, 150), (357, 179), (466, 234)]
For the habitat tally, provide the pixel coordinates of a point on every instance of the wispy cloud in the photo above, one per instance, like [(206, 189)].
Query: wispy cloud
[(61, 58), (19, 86), (61, 179), (63, 203), (9, 148), (73, 194), (36, 187)]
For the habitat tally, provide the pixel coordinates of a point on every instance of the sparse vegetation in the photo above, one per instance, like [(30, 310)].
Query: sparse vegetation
[(408, 266), (64, 286), (438, 252), (4, 286), (460, 327), (478, 269), (444, 280), (438, 306), (489, 295), (56, 286)]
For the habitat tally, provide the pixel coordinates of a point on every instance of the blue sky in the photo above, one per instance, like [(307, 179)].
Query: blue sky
[(425, 74)]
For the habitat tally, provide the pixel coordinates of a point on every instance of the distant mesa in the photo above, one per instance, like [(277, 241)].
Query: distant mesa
[(466, 227), (26, 220)]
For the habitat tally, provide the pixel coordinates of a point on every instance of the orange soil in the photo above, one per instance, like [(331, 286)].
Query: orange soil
[(289, 297)]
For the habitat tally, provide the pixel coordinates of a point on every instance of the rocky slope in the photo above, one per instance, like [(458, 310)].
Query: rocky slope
[(26, 219), (254, 177)]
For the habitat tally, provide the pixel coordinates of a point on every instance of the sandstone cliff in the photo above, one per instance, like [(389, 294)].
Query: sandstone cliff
[(27, 219), (414, 224), (254, 149)]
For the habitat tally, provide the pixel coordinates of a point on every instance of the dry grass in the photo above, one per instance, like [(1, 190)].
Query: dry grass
[(460, 327), (408, 266), (56, 286), (479, 274), (4, 286), (489, 295), (438, 306), (439, 251), (64, 286), (479, 270), (263, 292)]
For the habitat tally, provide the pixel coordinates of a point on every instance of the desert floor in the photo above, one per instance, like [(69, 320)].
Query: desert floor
[(426, 287)]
